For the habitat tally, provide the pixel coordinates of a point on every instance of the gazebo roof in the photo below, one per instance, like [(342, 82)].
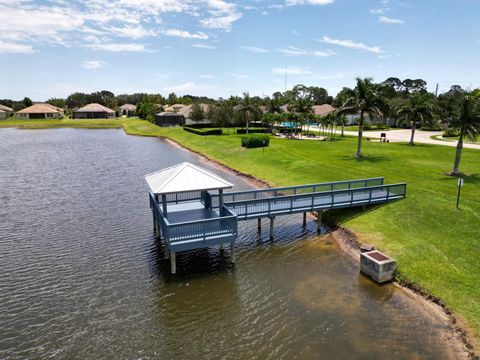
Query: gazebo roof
[(184, 177)]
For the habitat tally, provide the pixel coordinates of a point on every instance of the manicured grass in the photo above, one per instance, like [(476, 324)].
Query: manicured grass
[(355, 128), (436, 245)]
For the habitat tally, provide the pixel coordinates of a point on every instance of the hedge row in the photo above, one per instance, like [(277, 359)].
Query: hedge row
[(203, 132), (255, 140), (252, 131)]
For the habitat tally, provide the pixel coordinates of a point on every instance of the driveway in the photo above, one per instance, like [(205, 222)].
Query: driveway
[(403, 135)]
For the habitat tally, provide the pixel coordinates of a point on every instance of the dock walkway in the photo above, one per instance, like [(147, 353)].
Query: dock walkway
[(205, 216)]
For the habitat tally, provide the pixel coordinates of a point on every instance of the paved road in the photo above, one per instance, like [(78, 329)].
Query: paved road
[(403, 135)]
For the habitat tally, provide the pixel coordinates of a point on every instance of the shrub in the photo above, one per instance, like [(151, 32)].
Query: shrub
[(367, 126), (380, 126), (450, 133), (255, 140), (203, 132), (252, 131)]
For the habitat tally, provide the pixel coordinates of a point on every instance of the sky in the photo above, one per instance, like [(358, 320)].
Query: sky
[(218, 48)]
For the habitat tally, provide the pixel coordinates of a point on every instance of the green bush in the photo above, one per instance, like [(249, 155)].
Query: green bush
[(203, 132), (252, 131), (380, 126), (367, 126), (255, 140), (450, 133)]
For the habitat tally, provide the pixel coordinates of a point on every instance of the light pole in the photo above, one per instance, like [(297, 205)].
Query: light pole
[(459, 185)]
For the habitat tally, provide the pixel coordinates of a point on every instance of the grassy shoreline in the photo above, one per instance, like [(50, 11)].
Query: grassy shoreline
[(435, 244)]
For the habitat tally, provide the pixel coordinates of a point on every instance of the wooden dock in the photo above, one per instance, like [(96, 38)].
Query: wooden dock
[(200, 215)]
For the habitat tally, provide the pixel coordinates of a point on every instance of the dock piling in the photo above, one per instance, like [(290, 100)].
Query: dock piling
[(304, 219), (259, 226), (173, 263), (319, 222), (167, 252), (272, 219), (232, 252)]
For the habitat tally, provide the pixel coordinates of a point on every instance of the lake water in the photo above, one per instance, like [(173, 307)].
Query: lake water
[(81, 275)]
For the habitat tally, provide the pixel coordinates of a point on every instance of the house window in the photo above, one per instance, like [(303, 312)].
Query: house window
[(49, 115)]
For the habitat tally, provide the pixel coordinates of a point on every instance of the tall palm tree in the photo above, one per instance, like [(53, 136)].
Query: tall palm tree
[(247, 109), (301, 106), (419, 109), (467, 122), (365, 99)]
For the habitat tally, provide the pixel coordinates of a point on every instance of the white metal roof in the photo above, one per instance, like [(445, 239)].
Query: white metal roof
[(184, 177)]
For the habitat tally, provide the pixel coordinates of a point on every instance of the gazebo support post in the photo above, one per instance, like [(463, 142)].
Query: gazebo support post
[(232, 252), (173, 263), (220, 201), (259, 225), (164, 204), (304, 219)]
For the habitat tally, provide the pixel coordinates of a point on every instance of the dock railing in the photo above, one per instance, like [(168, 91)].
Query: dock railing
[(230, 197), (265, 207), (224, 225)]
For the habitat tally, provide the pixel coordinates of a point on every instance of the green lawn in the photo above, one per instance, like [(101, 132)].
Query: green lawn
[(436, 245)]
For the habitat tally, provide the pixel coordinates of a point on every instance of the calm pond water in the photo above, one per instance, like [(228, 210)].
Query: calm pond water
[(81, 275)]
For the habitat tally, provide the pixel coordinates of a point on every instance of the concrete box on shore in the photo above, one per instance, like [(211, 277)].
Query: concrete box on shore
[(377, 265)]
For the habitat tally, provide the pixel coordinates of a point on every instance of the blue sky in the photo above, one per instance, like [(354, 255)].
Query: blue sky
[(219, 47)]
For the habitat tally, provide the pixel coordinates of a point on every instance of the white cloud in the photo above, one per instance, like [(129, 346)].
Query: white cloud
[(10, 48), (92, 64), (308, 2), (191, 88), (185, 34), (296, 33), (351, 44), (117, 47), (294, 51), (255, 50), (389, 20), (132, 32), (238, 76), (206, 76), (221, 22), (292, 70), (377, 11), (203, 46)]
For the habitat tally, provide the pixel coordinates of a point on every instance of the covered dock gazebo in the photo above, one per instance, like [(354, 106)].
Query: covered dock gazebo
[(181, 202)]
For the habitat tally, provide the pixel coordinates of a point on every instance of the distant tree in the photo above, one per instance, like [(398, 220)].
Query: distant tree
[(274, 106), (57, 102), (172, 98), (365, 98), (7, 102), (419, 109), (197, 114), (76, 100), (318, 95), (247, 110), (467, 121), (27, 102), (146, 110)]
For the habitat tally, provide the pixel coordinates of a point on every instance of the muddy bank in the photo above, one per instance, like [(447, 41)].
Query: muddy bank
[(458, 338)]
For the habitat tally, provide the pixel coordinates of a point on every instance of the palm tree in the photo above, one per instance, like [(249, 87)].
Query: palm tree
[(467, 122), (418, 110), (247, 109), (301, 106), (364, 99)]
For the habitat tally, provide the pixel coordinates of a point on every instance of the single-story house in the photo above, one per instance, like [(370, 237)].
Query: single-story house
[(40, 111), (186, 111), (128, 110), (169, 119), (94, 111), (3, 114), (6, 109), (323, 110), (174, 108)]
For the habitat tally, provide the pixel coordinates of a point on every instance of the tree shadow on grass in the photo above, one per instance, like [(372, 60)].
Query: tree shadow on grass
[(340, 216), (468, 178), (364, 158)]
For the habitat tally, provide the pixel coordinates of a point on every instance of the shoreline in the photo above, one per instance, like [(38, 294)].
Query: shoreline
[(457, 336)]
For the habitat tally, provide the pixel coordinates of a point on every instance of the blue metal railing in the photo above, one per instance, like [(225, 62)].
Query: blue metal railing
[(316, 201), (226, 225), (230, 197)]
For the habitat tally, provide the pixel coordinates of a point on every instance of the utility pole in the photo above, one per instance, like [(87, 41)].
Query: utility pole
[(436, 90)]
